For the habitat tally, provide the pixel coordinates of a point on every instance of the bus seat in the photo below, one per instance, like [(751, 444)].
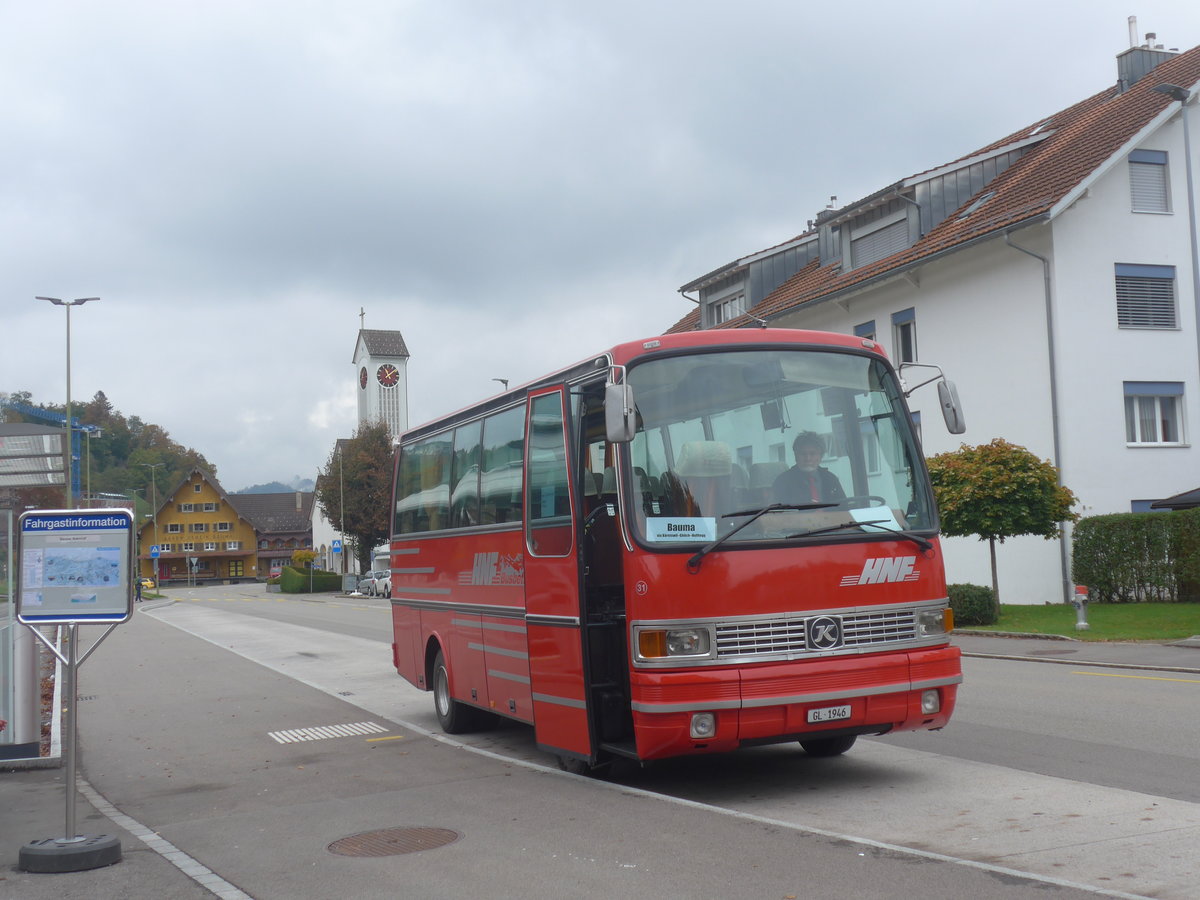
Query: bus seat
[(704, 459)]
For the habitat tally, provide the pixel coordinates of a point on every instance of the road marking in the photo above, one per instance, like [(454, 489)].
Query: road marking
[(321, 732), (394, 737), (1142, 677)]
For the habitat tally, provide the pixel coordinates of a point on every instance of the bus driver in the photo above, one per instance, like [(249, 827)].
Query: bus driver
[(807, 481)]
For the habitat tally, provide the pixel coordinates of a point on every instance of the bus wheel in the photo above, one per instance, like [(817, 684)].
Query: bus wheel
[(574, 765), (832, 746), (455, 717)]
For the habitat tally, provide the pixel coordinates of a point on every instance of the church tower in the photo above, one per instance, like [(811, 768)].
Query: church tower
[(381, 378)]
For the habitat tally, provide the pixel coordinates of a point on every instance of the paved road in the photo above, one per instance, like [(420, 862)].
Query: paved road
[(1053, 826)]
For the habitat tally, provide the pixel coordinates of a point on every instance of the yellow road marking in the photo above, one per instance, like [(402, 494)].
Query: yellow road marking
[(398, 737), (1142, 677)]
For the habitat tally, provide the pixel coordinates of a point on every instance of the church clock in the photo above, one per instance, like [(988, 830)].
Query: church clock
[(388, 375), (362, 378)]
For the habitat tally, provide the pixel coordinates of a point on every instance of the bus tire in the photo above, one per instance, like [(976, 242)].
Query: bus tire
[(454, 717), (831, 746)]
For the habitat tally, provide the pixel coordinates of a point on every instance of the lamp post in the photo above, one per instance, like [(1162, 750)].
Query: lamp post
[(93, 432), (70, 466), (342, 506), (1183, 95), (154, 508)]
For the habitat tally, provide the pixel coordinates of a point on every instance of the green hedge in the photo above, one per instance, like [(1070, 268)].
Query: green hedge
[(973, 604), (296, 581), (1137, 557)]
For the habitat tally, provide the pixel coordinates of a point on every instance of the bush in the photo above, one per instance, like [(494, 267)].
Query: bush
[(973, 604), (1138, 557), (297, 581)]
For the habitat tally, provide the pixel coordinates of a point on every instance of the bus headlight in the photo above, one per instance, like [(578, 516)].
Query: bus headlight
[(660, 643), (935, 621), (703, 727)]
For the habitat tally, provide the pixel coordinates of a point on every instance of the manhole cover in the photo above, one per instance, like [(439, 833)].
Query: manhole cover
[(393, 841)]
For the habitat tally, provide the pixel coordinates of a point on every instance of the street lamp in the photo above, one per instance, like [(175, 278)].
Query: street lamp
[(92, 432), (1183, 95), (154, 507), (68, 304)]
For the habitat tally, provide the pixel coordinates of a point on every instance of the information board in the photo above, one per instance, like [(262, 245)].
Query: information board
[(74, 566)]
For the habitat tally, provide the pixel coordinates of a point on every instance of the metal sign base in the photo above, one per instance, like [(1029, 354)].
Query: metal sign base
[(86, 851), (74, 852)]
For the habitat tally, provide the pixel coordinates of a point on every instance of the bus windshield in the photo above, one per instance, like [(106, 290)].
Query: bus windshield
[(822, 434)]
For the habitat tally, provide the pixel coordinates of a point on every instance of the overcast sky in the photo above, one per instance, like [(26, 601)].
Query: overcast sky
[(512, 184)]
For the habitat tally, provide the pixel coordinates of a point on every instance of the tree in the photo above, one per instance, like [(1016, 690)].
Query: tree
[(354, 490), (997, 491)]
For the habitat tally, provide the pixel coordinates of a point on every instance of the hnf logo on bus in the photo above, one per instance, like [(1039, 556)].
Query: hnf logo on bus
[(882, 569)]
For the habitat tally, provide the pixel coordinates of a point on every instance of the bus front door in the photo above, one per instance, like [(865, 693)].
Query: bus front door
[(552, 608)]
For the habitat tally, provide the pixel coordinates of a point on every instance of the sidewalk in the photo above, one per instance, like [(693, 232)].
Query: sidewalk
[(1179, 656), (172, 734)]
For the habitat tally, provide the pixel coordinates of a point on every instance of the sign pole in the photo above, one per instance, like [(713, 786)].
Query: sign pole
[(75, 566)]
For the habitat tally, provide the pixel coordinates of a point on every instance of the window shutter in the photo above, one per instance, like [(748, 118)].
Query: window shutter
[(1148, 187), (879, 244), (1145, 302)]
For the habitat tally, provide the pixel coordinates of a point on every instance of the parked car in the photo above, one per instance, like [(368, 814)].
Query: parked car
[(369, 583), (276, 571), (383, 587)]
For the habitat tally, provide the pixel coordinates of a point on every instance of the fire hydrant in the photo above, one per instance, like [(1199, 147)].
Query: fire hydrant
[(1080, 604)]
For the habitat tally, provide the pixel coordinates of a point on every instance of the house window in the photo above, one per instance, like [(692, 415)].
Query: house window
[(187, 547), (187, 507), (174, 528), (198, 527), (233, 545), (210, 507), (210, 545), (1153, 412), (879, 243), (196, 487), (866, 330), (904, 335), (1146, 296), (224, 526), (725, 309), (165, 548), (1148, 181)]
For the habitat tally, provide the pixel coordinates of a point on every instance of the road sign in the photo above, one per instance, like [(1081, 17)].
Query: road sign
[(337, 546), (154, 551), (75, 566)]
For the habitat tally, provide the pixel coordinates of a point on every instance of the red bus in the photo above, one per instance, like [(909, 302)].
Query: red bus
[(623, 555)]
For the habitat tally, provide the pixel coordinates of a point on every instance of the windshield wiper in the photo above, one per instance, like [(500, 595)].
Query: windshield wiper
[(693, 564), (915, 538)]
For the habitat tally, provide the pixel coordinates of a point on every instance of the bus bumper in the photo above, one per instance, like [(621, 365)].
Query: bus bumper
[(771, 703)]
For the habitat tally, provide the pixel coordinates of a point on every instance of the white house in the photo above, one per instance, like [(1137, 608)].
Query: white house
[(1052, 274)]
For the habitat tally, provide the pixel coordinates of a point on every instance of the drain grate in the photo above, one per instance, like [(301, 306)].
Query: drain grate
[(393, 841)]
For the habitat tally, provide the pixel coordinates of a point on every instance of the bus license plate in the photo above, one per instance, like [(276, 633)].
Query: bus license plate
[(829, 714)]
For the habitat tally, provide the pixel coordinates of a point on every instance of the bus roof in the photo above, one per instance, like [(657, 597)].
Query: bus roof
[(626, 353)]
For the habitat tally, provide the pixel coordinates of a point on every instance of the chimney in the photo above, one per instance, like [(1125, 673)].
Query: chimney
[(1136, 62)]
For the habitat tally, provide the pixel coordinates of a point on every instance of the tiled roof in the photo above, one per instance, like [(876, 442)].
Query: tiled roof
[(383, 343), (1081, 139), (276, 513)]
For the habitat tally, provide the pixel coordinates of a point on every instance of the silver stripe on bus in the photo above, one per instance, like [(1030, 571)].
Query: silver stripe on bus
[(560, 621), (508, 676), (795, 698), (500, 651), (512, 629), (428, 571), (560, 701), (468, 623), (421, 590), (479, 609), (406, 551)]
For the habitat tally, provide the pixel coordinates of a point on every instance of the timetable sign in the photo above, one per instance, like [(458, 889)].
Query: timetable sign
[(74, 565)]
